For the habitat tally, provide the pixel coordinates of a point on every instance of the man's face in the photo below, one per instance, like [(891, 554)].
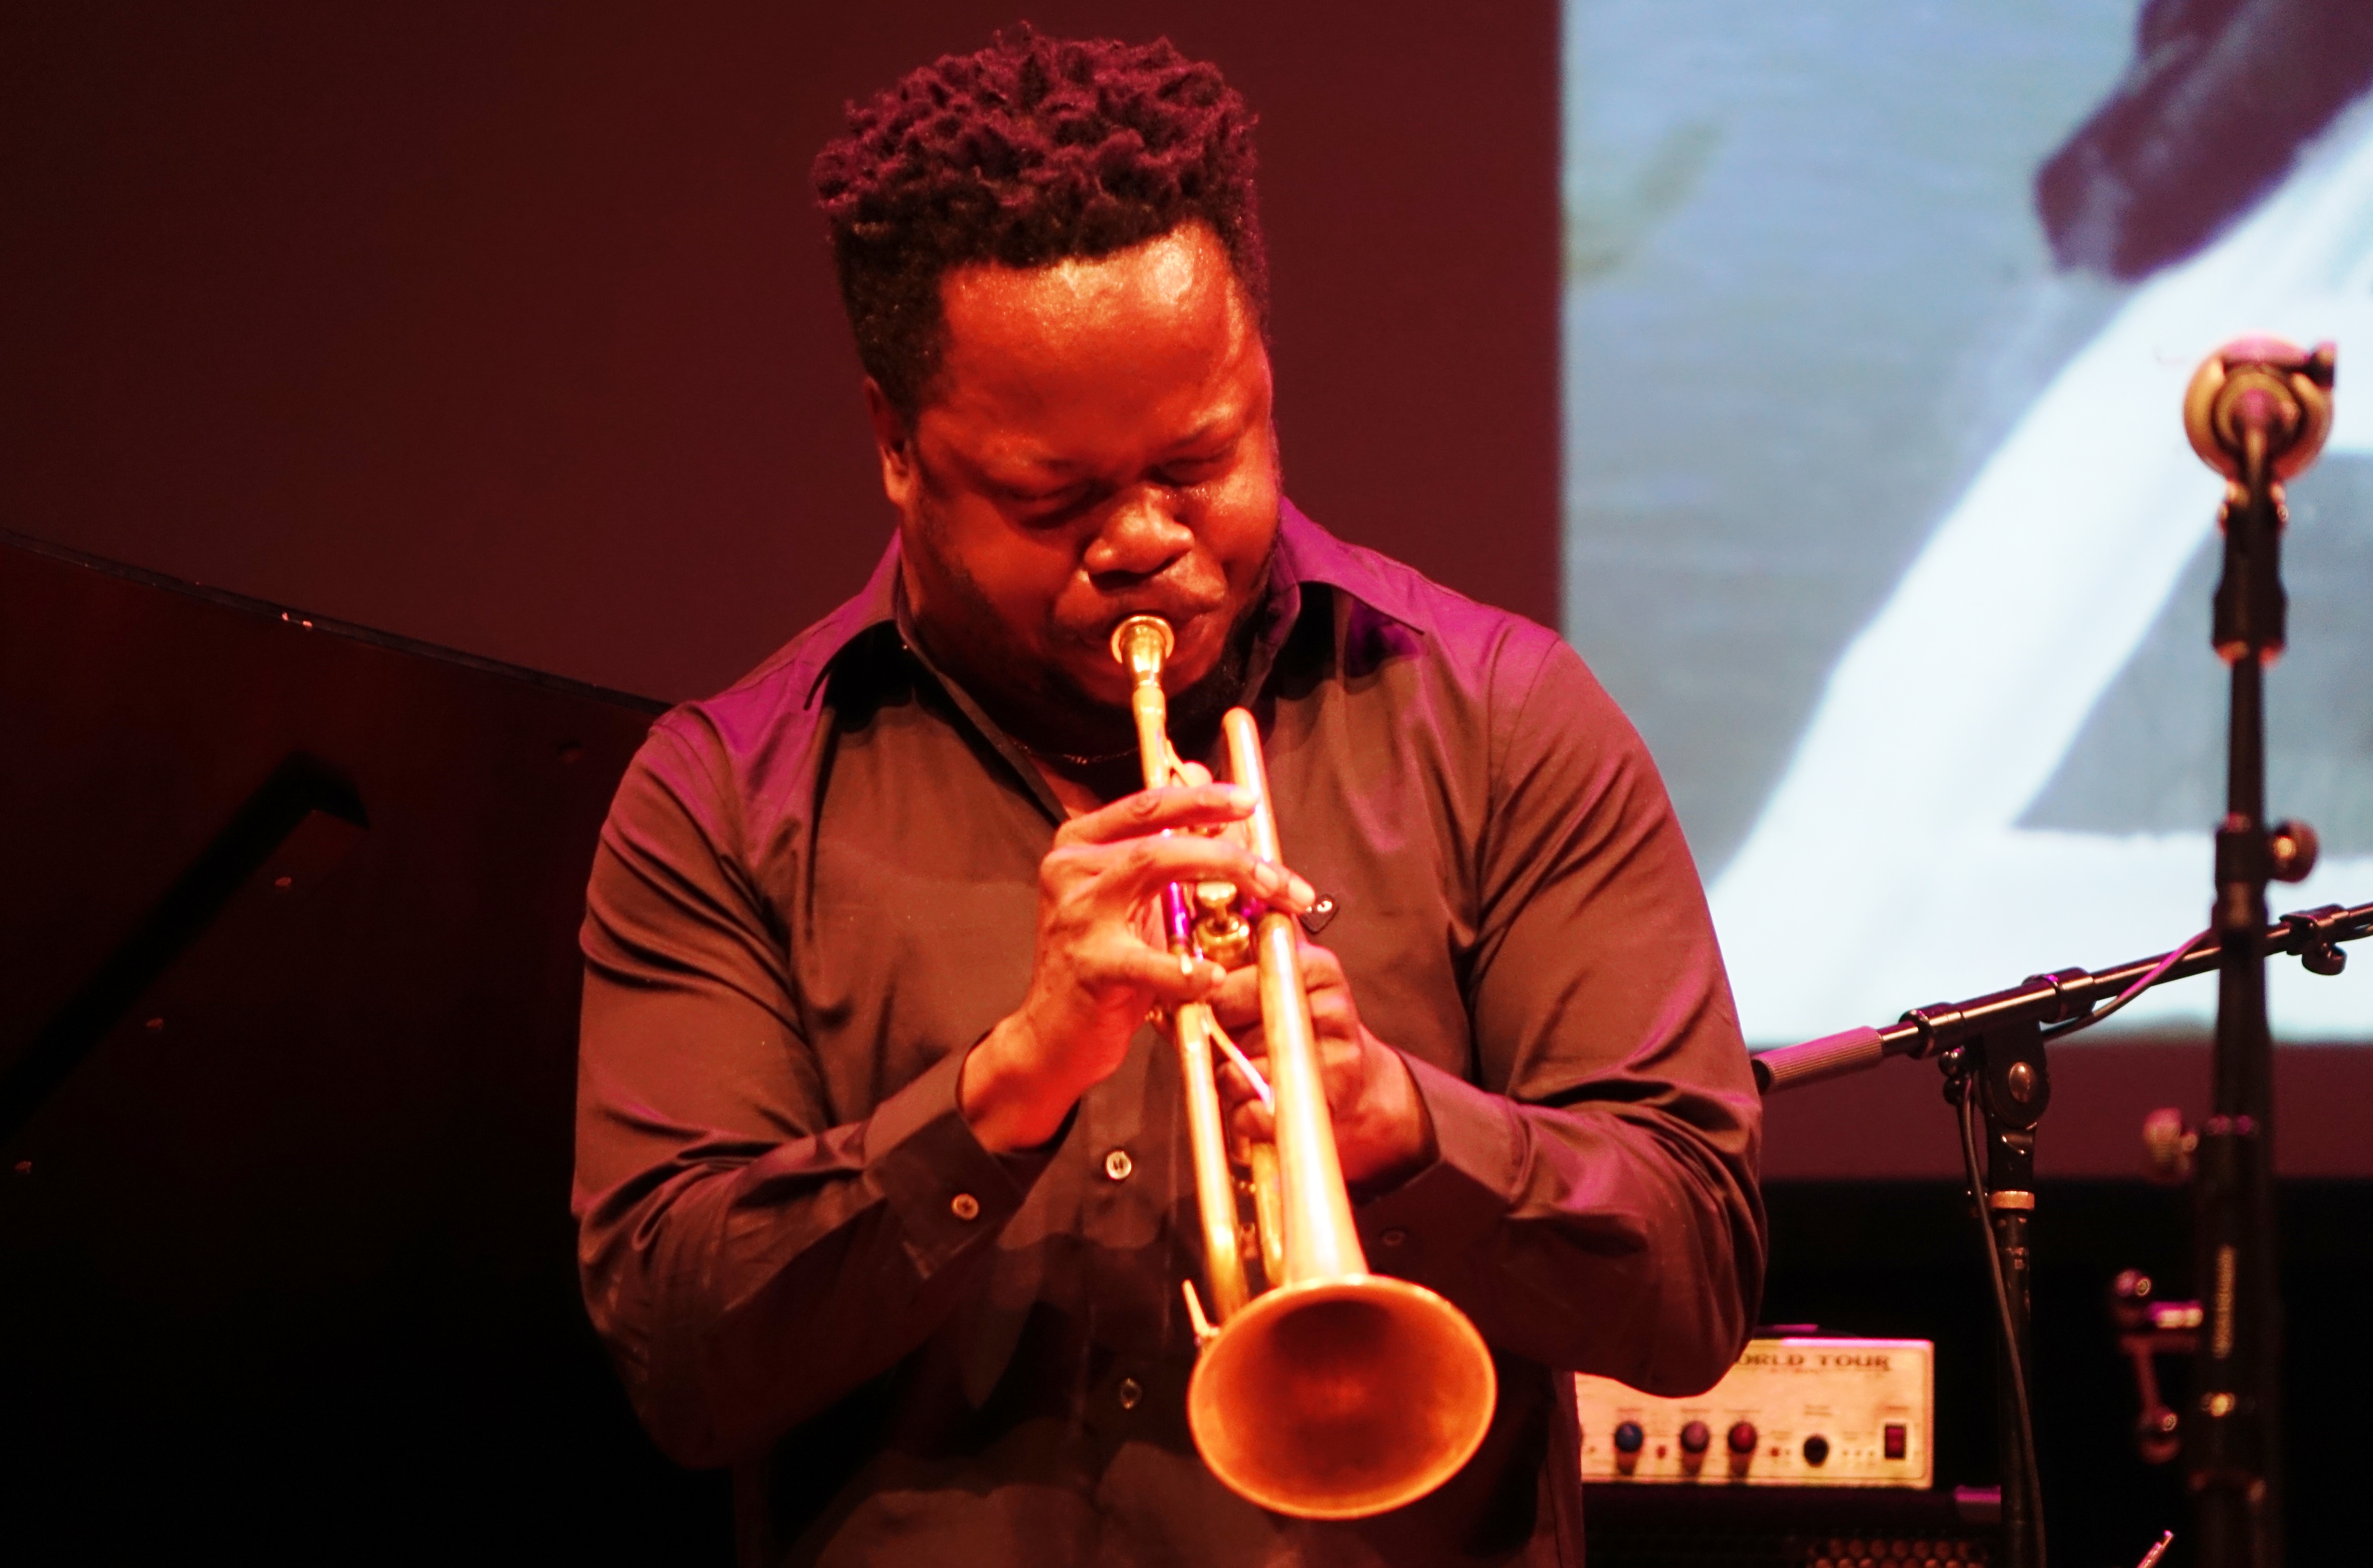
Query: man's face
[(1098, 445)]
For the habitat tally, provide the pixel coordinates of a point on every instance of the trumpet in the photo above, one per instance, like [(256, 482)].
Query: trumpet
[(1329, 1392)]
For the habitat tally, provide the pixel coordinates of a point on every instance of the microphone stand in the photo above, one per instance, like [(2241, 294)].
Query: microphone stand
[(1998, 1081), (2257, 412), (1992, 1050), (2064, 1001)]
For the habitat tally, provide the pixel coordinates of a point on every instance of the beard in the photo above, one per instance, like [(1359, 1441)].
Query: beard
[(1045, 708), (1194, 713)]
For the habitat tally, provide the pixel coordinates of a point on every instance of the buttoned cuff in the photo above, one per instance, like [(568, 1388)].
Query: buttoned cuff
[(1426, 1228), (949, 1194)]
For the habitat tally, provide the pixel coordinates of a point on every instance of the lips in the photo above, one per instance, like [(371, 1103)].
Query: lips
[(1186, 619), (1192, 627), (1181, 612)]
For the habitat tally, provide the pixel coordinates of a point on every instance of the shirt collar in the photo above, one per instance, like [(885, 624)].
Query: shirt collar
[(1307, 554)]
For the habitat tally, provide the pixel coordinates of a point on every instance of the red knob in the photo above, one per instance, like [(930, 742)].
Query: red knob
[(1741, 1438)]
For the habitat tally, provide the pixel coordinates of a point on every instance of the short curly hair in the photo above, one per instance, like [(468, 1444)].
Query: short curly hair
[(1032, 150)]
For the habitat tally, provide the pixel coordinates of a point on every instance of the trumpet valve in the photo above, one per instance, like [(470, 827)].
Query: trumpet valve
[(1215, 898), (1221, 931)]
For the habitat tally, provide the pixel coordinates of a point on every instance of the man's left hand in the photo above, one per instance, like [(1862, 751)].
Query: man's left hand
[(1382, 1132)]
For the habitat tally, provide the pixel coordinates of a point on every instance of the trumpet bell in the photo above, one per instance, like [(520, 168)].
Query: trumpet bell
[(1341, 1398)]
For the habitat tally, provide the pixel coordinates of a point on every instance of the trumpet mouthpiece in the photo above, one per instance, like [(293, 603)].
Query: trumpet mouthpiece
[(1142, 642)]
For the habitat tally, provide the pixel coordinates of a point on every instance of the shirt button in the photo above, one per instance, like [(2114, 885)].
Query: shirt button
[(965, 1206), (1394, 1237), (1117, 1164), (1130, 1393)]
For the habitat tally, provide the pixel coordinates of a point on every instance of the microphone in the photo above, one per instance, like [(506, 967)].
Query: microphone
[(2257, 411), (2260, 392)]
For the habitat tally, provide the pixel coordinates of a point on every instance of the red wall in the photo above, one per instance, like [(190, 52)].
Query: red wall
[(511, 328)]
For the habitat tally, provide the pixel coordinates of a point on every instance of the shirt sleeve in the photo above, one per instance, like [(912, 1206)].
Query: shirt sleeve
[(1593, 1204), (747, 1259)]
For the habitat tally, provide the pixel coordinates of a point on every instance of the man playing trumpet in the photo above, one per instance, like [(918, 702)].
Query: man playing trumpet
[(882, 1179)]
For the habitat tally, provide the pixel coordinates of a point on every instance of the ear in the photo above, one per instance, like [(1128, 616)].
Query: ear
[(894, 441)]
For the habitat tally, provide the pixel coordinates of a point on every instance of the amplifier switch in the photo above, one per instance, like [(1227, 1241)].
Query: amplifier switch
[(1741, 1443), (1630, 1438)]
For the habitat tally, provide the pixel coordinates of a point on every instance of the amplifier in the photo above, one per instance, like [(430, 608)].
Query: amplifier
[(1794, 1412)]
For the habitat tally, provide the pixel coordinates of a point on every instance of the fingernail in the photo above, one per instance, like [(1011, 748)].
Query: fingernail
[(1303, 893), (1243, 799), (1268, 879)]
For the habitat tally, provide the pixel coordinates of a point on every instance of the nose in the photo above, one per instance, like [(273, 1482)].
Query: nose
[(1142, 537)]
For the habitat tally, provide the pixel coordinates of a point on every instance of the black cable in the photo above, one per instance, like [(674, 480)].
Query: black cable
[(2015, 1363), (2062, 1031)]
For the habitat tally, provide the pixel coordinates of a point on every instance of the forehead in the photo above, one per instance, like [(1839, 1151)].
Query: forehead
[(1153, 335)]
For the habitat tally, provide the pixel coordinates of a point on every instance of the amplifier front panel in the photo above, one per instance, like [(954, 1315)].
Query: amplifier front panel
[(1793, 1412)]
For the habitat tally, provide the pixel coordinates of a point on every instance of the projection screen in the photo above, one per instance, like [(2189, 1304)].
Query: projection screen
[(1880, 520)]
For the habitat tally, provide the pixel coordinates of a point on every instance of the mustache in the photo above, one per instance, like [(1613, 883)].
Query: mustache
[(1179, 610)]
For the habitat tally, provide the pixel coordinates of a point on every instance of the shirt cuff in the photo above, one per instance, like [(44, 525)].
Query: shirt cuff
[(1428, 1228), (950, 1195)]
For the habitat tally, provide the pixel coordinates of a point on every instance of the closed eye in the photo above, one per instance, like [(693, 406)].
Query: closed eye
[(1188, 471), (1048, 508)]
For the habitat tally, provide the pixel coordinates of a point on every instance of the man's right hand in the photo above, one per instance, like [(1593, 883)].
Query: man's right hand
[(1100, 964)]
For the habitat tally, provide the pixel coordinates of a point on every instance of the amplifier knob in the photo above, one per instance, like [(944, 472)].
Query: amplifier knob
[(1741, 1438), (1696, 1438), (1628, 1437), (1816, 1450)]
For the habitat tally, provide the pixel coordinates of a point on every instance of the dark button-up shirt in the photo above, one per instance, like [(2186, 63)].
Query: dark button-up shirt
[(815, 892)]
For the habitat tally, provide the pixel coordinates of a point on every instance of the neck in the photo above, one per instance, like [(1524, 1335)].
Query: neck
[(1061, 728)]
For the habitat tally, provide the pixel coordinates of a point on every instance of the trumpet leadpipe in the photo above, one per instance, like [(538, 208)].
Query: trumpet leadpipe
[(1142, 643)]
